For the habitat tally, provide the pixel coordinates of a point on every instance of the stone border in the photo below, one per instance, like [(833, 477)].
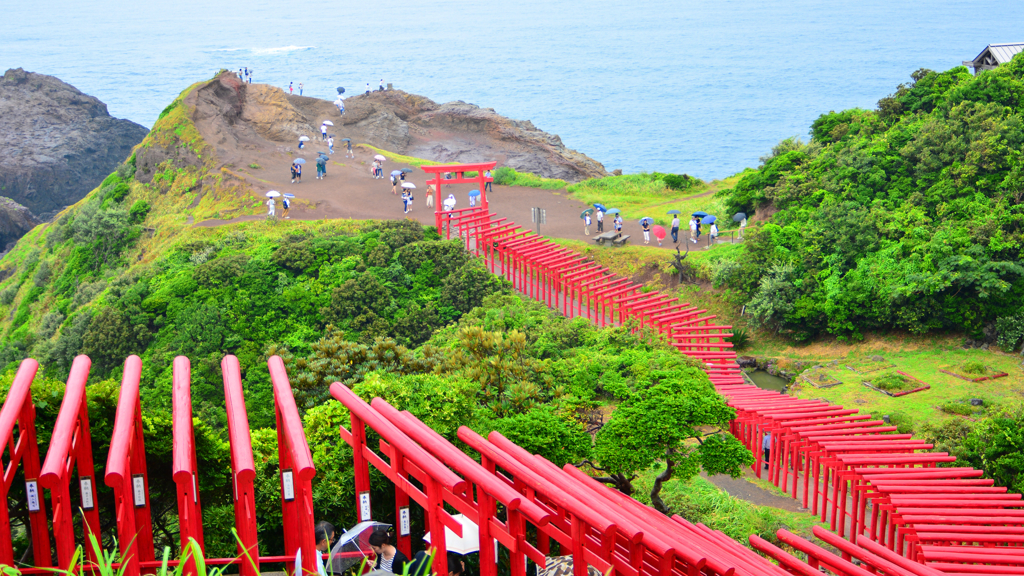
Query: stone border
[(920, 388), (836, 382), (981, 379)]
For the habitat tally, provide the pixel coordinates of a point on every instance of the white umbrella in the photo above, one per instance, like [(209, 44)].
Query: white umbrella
[(303, 138), (408, 185), (328, 122), (379, 157), (273, 194), (470, 541)]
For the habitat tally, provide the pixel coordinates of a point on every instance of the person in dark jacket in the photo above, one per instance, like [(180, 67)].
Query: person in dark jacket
[(389, 558)]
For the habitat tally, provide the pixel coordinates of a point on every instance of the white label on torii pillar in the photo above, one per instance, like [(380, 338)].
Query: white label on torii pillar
[(88, 502), (364, 506), (287, 485), (139, 490), (403, 521), (32, 495)]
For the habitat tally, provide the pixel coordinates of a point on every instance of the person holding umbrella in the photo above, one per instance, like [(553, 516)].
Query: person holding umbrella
[(714, 230), (693, 230), (270, 207), (600, 220), (618, 224), (646, 225), (586, 222), (298, 169), (406, 200), (394, 184), (330, 143), (321, 167), (389, 558)]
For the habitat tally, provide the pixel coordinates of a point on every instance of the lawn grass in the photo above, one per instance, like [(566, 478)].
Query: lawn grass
[(645, 195), (506, 176), (920, 359), (398, 158)]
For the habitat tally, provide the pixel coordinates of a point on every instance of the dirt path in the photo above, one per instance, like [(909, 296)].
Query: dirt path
[(349, 191)]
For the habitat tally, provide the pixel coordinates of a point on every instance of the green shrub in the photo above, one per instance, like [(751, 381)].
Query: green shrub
[(255, 166), (891, 382), (7, 294), (506, 176), (973, 367), (740, 339), (961, 408), (138, 211), (1010, 331), (903, 422)]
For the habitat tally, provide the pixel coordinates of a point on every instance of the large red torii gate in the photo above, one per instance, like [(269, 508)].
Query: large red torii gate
[(460, 171)]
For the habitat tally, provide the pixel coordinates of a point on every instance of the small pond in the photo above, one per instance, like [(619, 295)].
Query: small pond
[(766, 381)]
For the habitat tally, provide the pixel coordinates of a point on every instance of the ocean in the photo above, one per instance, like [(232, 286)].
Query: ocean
[(703, 87)]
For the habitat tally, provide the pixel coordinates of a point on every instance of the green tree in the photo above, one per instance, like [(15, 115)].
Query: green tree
[(667, 420), (543, 431)]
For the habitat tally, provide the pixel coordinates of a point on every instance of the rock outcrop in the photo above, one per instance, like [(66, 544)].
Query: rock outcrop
[(15, 221), (56, 143), (453, 132)]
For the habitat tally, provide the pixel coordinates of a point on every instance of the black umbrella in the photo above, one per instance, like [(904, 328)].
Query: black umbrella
[(739, 216), (341, 90)]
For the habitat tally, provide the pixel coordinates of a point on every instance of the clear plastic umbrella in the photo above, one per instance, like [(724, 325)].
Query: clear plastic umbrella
[(408, 185), (328, 122), (353, 546)]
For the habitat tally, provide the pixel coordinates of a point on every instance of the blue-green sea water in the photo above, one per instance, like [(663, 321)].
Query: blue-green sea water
[(703, 87)]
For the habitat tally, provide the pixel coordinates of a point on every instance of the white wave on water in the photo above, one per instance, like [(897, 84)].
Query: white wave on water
[(266, 51)]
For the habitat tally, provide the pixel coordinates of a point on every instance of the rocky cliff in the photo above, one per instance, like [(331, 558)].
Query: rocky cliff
[(15, 221), (56, 143), (417, 126)]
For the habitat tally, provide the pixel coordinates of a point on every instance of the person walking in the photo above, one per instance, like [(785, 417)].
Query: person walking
[(743, 225), (714, 231), (302, 144), (647, 230), (287, 205), (350, 153), (586, 224), (381, 88), (300, 88), (698, 230), (430, 196), (270, 207), (766, 447), (693, 229), (330, 143), (293, 173), (487, 185), (290, 89), (675, 228), (320, 168), (394, 186), (323, 132), (298, 173), (405, 200), (600, 220), (367, 88), (340, 104)]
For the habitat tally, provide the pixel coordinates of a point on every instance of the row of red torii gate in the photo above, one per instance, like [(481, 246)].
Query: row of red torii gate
[(526, 504)]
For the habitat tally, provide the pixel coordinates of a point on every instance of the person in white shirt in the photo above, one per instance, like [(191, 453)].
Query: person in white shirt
[(330, 144), (693, 229), (323, 132), (324, 535), (600, 220), (714, 231), (381, 84), (270, 207), (675, 228), (367, 88), (743, 224)]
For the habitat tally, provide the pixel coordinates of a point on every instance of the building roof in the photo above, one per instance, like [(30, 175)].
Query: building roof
[(1002, 53)]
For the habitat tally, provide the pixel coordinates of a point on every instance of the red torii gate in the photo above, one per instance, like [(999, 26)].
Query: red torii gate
[(459, 170)]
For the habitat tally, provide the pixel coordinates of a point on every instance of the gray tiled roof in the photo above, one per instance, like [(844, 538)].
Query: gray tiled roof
[(1003, 53)]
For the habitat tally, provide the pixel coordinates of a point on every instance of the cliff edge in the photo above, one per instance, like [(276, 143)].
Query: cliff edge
[(56, 143)]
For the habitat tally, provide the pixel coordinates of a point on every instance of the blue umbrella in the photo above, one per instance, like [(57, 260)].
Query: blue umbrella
[(299, 161), (612, 211), (739, 216), (396, 172), (673, 212), (708, 219), (645, 218), (288, 195), (699, 213), (474, 192), (600, 207)]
